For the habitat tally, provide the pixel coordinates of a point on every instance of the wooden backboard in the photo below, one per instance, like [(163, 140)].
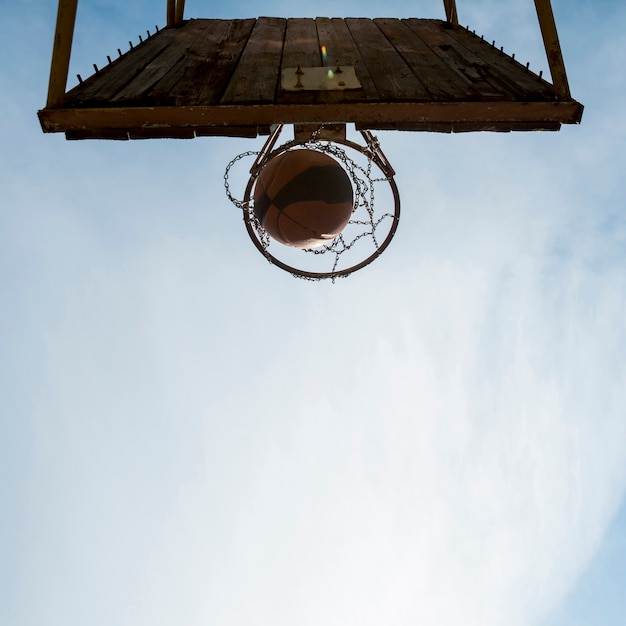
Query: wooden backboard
[(223, 77)]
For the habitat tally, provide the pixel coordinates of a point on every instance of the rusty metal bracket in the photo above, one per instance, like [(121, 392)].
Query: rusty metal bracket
[(553, 48)]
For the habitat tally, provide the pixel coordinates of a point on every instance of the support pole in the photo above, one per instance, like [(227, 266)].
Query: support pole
[(61, 51), (180, 11), (553, 48), (175, 12), (451, 14)]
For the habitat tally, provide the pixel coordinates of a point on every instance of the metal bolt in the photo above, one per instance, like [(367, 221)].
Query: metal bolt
[(119, 52), (513, 56), (337, 69), (157, 28), (95, 67), (540, 73), (299, 74), (527, 64), (109, 59), (148, 33), (130, 43), (80, 80), (140, 39)]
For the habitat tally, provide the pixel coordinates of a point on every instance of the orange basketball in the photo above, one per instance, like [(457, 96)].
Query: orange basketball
[(303, 198)]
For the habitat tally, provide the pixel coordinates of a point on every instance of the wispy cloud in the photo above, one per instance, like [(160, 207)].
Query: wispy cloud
[(438, 439)]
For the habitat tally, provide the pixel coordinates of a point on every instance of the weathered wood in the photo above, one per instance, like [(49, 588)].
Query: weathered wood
[(222, 77), (301, 48), (433, 72), (101, 88), (180, 11), (333, 33), (501, 70), (457, 59), (553, 48), (330, 132), (301, 45), (170, 57), (162, 133), (61, 51), (201, 77), (117, 134), (362, 113), (463, 127), (258, 71), (110, 134), (171, 13), (391, 75)]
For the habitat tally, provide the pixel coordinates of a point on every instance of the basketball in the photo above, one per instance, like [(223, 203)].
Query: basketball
[(303, 198)]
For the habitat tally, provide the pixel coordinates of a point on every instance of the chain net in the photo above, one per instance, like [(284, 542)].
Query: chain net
[(366, 226)]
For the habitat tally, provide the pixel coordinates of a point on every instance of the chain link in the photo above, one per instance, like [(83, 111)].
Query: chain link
[(240, 204)]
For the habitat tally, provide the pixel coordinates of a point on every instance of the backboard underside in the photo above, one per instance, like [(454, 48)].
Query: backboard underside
[(223, 77)]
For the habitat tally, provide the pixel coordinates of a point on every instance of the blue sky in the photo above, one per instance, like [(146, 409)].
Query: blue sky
[(188, 435)]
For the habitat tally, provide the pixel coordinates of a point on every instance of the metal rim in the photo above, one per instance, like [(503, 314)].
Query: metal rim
[(380, 162)]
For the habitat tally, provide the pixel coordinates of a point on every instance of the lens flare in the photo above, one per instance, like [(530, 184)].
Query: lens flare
[(324, 53)]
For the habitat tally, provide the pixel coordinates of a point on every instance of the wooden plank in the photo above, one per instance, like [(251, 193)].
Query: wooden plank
[(251, 131), (392, 77), (464, 127), (100, 88), (232, 131), (201, 77), (553, 48), (301, 47), (179, 132), (504, 113), (61, 52), (169, 58), (222, 62), (501, 69), (110, 134), (258, 71), (433, 72), (459, 60), (333, 33), (330, 132), (164, 133)]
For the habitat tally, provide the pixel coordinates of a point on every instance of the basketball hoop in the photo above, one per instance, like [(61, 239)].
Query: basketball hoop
[(308, 205), (368, 231)]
